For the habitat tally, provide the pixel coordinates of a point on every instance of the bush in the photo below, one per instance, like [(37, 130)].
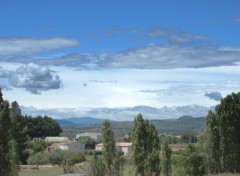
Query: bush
[(76, 158), (93, 152), (38, 159)]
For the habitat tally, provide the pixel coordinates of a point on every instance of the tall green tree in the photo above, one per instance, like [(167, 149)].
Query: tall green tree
[(5, 125), (42, 126), (145, 147), (111, 157), (193, 161), (223, 126), (18, 133), (166, 154), (212, 143), (109, 151)]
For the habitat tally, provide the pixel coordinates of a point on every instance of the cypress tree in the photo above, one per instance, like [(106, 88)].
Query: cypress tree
[(145, 147), (5, 124), (224, 136), (166, 154), (109, 151)]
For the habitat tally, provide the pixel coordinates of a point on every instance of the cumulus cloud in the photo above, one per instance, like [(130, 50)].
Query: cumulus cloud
[(35, 78), (28, 46), (214, 96)]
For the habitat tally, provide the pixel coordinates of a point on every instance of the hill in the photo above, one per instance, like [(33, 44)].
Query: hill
[(171, 126), (79, 121)]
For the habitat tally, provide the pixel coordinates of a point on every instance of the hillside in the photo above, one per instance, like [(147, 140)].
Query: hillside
[(172, 126)]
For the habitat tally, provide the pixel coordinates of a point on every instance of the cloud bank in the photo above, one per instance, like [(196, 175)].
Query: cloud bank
[(28, 46), (146, 57)]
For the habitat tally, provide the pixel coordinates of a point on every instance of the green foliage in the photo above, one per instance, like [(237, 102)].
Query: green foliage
[(145, 147), (96, 167), (37, 159), (223, 136), (166, 154), (76, 158), (108, 145), (112, 158), (193, 162), (89, 143), (188, 137), (5, 138), (56, 157), (38, 145), (93, 152), (178, 166), (18, 133), (42, 126)]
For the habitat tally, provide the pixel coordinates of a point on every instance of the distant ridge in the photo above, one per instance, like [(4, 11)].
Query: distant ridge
[(79, 121)]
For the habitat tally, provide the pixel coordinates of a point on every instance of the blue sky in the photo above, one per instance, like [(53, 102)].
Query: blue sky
[(95, 53)]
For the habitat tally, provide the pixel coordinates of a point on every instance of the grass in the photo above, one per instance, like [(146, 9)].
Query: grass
[(44, 171)]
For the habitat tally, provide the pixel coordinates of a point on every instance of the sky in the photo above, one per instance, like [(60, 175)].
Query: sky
[(113, 54)]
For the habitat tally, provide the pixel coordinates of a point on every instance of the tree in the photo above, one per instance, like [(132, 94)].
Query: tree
[(166, 158), (193, 162), (42, 126), (145, 147), (109, 151), (111, 157), (223, 131), (37, 159), (18, 133), (38, 145), (5, 125)]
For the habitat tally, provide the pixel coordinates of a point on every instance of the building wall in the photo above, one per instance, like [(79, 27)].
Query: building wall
[(73, 147), (56, 139), (125, 150)]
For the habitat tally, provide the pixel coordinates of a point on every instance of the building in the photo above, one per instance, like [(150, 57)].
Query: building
[(56, 139), (72, 146), (86, 136), (125, 147)]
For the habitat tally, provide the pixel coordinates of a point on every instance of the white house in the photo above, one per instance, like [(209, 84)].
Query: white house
[(72, 146), (88, 135), (56, 139), (125, 147)]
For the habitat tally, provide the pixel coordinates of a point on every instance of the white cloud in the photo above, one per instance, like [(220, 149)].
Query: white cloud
[(28, 46), (172, 56), (35, 78)]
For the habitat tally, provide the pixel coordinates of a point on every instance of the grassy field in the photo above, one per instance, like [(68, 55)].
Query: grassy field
[(56, 171), (44, 171)]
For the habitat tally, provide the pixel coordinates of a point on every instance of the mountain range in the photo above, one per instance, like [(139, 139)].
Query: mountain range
[(120, 114)]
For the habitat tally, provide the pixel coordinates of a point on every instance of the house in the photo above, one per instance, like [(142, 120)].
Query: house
[(72, 146), (87, 135), (56, 139), (125, 147)]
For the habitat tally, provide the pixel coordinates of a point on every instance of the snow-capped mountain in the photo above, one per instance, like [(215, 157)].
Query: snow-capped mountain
[(120, 114)]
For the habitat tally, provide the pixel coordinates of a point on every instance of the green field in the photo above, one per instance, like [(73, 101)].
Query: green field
[(44, 171)]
